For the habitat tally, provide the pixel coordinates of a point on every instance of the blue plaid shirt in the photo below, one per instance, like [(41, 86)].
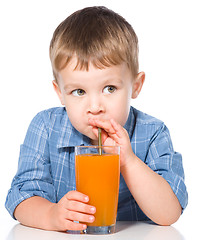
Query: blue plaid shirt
[(46, 162)]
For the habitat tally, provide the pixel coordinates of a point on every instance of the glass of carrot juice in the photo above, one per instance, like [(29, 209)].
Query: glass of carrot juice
[(97, 175)]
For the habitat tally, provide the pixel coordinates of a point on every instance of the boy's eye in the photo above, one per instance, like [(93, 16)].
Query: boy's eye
[(78, 92), (109, 89)]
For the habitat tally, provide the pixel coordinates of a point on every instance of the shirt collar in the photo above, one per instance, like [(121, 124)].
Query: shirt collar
[(70, 137)]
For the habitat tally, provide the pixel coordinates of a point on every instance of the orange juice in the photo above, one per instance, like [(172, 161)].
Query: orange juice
[(98, 177)]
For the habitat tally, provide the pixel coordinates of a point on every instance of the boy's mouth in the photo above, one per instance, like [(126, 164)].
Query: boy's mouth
[(98, 119)]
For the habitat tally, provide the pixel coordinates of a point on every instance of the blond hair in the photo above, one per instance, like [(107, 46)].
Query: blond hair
[(97, 35)]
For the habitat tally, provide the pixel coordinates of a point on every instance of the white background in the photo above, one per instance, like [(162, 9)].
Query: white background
[(169, 43)]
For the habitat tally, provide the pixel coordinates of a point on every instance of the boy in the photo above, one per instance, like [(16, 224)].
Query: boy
[(94, 56)]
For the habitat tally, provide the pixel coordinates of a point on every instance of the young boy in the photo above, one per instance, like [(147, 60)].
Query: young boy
[(94, 56)]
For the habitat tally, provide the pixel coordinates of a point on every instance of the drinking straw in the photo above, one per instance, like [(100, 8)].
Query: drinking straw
[(99, 141)]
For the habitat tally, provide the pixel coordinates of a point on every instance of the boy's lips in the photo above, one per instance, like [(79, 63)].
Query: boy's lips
[(98, 119)]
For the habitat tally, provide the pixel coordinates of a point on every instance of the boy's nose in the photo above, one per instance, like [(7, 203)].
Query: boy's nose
[(95, 106)]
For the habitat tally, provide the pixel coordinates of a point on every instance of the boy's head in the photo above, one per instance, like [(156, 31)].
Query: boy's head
[(94, 55), (97, 35)]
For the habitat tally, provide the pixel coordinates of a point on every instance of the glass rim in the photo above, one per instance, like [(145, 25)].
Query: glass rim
[(96, 146)]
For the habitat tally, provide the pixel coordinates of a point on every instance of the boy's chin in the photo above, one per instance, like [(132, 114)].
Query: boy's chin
[(93, 138)]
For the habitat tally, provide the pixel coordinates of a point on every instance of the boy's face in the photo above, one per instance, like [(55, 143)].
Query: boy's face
[(96, 93)]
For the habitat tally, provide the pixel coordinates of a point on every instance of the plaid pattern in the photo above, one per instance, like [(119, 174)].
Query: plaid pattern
[(46, 163)]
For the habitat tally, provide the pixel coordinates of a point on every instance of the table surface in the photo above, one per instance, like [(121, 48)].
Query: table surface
[(124, 230)]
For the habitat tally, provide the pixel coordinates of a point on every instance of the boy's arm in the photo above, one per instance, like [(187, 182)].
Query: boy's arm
[(32, 191), (40, 213), (33, 212), (151, 191)]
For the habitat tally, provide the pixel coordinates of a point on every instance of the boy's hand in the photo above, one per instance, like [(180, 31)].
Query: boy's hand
[(71, 207), (113, 133)]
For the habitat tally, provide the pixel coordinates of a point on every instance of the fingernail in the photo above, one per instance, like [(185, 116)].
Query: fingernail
[(86, 198), (84, 226), (93, 209), (91, 218)]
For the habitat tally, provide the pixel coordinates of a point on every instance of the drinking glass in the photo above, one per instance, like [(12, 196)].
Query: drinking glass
[(97, 175)]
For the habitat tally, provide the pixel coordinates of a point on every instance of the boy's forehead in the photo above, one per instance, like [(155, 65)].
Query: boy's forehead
[(72, 69), (113, 74)]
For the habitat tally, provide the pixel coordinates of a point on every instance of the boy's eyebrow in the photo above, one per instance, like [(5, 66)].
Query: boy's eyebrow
[(67, 86), (113, 81), (109, 81)]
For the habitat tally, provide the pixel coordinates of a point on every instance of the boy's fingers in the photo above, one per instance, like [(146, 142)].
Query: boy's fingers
[(80, 207), (106, 125), (76, 201), (117, 127), (110, 128), (74, 226), (75, 195), (76, 216)]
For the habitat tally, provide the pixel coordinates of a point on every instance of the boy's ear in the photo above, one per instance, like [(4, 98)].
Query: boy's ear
[(137, 84), (58, 91)]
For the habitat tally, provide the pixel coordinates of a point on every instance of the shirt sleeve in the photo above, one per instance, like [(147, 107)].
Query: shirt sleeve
[(33, 177), (162, 159)]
